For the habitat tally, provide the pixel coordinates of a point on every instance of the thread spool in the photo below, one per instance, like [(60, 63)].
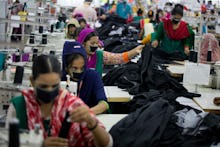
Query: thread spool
[(51, 28), (35, 51), (58, 25), (44, 39), (25, 57), (19, 75), (209, 56), (17, 57), (52, 52), (195, 57), (191, 54), (31, 40), (41, 29), (14, 133)]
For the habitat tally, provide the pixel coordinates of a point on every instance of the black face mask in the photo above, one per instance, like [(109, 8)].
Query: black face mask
[(77, 76), (174, 21), (47, 96), (93, 48)]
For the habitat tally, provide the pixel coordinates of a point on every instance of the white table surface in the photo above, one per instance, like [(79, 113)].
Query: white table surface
[(109, 120), (115, 94), (207, 96)]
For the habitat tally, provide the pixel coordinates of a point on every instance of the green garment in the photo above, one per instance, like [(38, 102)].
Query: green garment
[(21, 113), (170, 45), (137, 18), (99, 62), (2, 60)]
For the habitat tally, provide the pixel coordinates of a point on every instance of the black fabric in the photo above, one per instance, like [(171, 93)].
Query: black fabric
[(150, 75), (111, 43), (154, 75), (153, 124), (112, 76), (113, 23), (176, 55), (143, 98), (144, 127), (123, 48), (119, 45)]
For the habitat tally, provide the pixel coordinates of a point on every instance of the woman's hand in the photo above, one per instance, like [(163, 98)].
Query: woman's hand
[(139, 48), (55, 142), (155, 43), (82, 114), (186, 51)]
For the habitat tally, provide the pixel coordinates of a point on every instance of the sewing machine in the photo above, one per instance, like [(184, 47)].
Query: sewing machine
[(33, 138)]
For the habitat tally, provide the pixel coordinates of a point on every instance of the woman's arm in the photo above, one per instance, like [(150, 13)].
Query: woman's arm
[(189, 42), (101, 107), (121, 58), (158, 35), (83, 114), (101, 137), (99, 94)]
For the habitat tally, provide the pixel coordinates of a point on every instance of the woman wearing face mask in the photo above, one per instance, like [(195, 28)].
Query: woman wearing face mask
[(47, 105), (174, 34), (72, 29), (90, 86), (96, 58)]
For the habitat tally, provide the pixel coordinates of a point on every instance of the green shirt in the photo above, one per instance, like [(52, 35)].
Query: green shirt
[(170, 45)]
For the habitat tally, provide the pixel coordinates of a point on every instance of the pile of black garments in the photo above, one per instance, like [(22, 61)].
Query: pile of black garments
[(156, 119), (160, 124), (147, 74), (118, 36), (114, 26)]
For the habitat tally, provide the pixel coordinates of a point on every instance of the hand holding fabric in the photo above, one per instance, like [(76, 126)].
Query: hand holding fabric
[(139, 48), (155, 43), (80, 114), (186, 50)]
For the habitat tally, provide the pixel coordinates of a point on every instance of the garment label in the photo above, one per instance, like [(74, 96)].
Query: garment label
[(196, 73)]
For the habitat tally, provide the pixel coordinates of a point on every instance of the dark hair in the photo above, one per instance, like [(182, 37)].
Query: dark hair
[(212, 11), (150, 13), (178, 9), (43, 64), (92, 34), (71, 25), (72, 57), (82, 20), (168, 4), (88, 1), (139, 12), (157, 15)]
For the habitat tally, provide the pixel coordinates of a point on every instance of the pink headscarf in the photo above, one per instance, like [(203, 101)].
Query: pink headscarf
[(91, 63), (83, 34)]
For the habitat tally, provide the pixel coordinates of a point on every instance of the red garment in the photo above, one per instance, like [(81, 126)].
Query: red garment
[(180, 33), (203, 8), (79, 135), (209, 42)]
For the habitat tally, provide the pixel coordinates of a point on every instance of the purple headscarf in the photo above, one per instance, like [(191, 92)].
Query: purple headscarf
[(83, 34), (91, 62)]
